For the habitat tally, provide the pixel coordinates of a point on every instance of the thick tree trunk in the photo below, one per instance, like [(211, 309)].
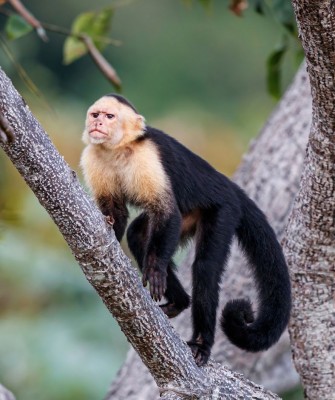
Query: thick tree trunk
[(94, 245), (270, 174), (310, 244)]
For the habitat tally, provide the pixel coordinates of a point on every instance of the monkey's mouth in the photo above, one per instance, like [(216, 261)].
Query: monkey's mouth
[(97, 134)]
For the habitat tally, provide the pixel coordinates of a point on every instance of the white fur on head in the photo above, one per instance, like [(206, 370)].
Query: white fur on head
[(124, 127)]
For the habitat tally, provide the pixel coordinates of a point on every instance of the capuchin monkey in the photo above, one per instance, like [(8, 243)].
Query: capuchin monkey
[(127, 162)]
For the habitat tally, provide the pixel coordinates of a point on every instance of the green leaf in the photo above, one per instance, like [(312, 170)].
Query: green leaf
[(274, 67), (94, 24), (73, 49), (17, 27)]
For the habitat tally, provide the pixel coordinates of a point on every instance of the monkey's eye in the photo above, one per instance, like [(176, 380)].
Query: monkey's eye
[(95, 115), (110, 116)]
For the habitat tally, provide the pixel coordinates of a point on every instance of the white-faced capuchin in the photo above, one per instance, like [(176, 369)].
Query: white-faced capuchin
[(181, 196)]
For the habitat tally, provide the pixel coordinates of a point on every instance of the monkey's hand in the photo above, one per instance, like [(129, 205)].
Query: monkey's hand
[(157, 281)]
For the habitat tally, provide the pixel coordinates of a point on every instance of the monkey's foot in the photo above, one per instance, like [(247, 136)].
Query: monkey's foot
[(157, 282), (171, 309), (200, 352)]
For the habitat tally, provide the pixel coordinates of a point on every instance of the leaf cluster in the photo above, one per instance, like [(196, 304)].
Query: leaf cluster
[(281, 11), (88, 35), (96, 25)]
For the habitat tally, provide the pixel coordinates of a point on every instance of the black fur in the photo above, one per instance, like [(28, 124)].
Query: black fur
[(224, 211), (227, 211), (122, 100), (118, 210)]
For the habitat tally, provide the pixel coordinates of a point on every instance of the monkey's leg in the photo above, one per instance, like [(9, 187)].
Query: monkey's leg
[(164, 235), (214, 237), (137, 236)]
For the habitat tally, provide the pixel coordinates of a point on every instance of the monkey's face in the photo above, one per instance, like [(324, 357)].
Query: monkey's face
[(111, 122)]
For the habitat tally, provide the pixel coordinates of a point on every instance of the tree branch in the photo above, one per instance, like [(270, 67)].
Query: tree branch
[(100, 61)]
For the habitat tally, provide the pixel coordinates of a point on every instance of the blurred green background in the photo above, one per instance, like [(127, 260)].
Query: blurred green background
[(199, 74)]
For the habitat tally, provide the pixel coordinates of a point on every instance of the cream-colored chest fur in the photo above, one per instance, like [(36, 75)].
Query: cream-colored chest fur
[(133, 171)]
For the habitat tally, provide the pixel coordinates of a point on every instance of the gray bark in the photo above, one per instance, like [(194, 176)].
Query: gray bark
[(309, 244), (105, 266), (270, 174)]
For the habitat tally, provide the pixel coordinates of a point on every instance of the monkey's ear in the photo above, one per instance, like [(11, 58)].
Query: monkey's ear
[(140, 122)]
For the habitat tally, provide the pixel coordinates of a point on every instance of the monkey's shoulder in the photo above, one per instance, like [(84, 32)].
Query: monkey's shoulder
[(142, 174), (177, 158)]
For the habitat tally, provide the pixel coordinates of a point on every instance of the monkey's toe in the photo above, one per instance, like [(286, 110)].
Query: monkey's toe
[(200, 353), (110, 219)]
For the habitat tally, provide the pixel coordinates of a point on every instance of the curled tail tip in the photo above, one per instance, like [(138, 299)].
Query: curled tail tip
[(246, 332), (238, 312), (235, 320)]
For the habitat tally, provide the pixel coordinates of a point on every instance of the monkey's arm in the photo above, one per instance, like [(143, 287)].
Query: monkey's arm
[(117, 209), (164, 233)]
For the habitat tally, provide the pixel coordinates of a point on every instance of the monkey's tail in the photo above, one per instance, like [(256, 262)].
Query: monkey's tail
[(267, 261)]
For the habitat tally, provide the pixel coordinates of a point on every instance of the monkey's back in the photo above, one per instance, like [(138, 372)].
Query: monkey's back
[(195, 183)]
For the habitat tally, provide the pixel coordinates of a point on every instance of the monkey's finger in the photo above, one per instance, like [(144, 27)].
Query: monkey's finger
[(155, 285), (162, 285), (144, 280), (152, 292)]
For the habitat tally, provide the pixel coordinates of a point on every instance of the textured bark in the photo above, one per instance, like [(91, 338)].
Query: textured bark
[(310, 245), (247, 390), (95, 247), (270, 174)]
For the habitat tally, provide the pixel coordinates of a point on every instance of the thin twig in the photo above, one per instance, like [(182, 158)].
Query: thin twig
[(67, 32), (104, 66), (34, 22)]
